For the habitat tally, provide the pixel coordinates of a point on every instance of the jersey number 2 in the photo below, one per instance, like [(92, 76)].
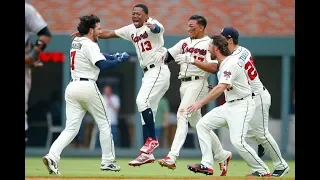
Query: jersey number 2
[(146, 46), (252, 73), (72, 54)]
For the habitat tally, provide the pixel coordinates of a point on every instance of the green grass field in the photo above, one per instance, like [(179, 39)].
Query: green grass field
[(89, 168)]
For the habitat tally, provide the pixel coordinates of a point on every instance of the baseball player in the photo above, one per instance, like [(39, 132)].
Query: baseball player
[(34, 23), (146, 34), (258, 129), (195, 67), (82, 94), (235, 113)]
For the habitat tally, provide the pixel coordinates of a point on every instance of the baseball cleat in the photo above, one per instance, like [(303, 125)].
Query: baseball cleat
[(110, 167), (150, 145), (257, 174), (143, 158), (167, 162), (200, 168), (261, 150), (224, 165), (51, 165), (280, 173)]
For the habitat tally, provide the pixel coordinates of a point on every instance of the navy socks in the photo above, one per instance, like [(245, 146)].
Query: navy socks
[(148, 119), (145, 133)]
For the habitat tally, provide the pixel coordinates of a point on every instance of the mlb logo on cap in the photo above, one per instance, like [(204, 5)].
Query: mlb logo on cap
[(230, 32)]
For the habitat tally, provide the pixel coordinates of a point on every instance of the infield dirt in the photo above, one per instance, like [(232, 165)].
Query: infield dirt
[(214, 178)]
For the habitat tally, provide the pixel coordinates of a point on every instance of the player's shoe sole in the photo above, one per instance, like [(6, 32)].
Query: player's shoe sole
[(47, 162), (110, 167), (280, 173), (141, 163), (163, 163), (225, 165), (196, 169)]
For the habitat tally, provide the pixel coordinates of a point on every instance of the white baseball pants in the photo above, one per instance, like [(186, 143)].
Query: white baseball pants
[(236, 115), (155, 83), (190, 92), (83, 96), (258, 130)]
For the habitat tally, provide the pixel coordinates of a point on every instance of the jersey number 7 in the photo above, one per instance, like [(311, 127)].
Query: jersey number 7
[(249, 66), (72, 55)]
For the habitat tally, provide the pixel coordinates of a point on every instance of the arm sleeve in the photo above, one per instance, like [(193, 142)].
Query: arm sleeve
[(33, 20), (176, 49), (93, 53), (123, 32), (153, 21), (107, 64)]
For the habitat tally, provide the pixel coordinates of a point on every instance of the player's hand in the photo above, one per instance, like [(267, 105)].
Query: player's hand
[(195, 106), (123, 57), (75, 34), (184, 58), (149, 25), (116, 55)]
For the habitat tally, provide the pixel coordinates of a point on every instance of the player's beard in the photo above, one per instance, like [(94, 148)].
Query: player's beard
[(95, 37)]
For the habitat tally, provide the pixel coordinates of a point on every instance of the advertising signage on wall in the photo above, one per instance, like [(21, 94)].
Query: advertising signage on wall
[(56, 57)]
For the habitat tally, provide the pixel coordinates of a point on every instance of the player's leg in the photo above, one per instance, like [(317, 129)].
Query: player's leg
[(189, 93), (259, 124), (97, 107), (212, 120), (238, 115), (250, 135), (155, 83), (27, 86), (74, 115), (220, 155)]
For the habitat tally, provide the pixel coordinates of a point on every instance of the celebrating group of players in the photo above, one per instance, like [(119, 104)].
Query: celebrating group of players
[(245, 113)]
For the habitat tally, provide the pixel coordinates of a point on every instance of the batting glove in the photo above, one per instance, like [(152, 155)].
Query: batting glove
[(184, 58), (123, 57)]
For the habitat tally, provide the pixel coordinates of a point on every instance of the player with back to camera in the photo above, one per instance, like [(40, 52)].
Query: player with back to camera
[(146, 34), (235, 113), (82, 94), (34, 23), (195, 67), (258, 129)]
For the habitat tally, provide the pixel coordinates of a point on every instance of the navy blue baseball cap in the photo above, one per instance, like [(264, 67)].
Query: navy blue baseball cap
[(230, 32)]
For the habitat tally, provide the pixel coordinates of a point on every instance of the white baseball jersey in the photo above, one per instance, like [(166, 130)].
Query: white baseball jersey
[(244, 55), (232, 73), (149, 46), (33, 21), (198, 49), (84, 53)]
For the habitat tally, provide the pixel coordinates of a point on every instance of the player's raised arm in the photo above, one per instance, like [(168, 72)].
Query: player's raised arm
[(107, 34), (154, 26), (209, 66)]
